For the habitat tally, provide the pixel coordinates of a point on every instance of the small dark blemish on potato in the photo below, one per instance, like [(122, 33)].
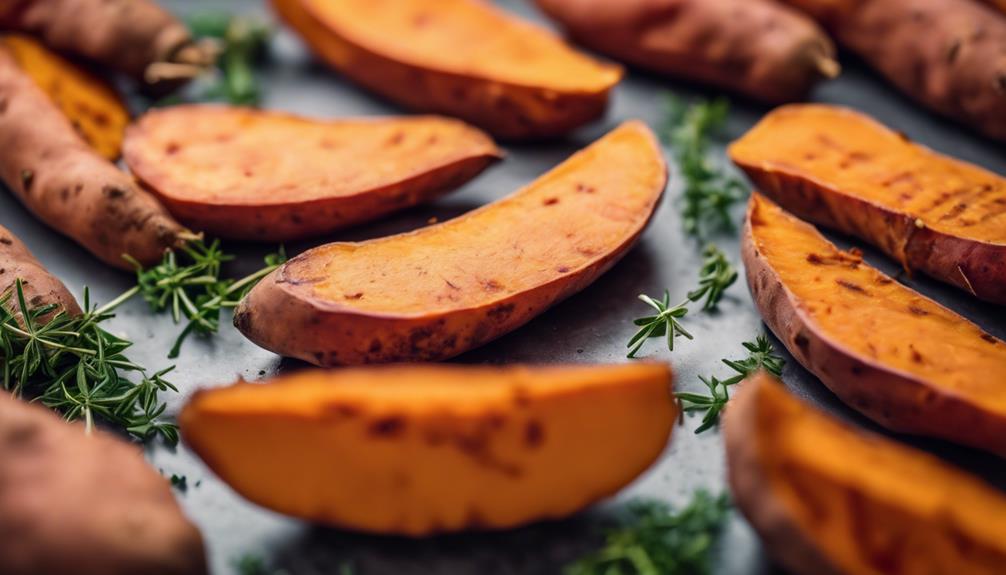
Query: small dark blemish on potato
[(550, 201), (916, 310), (6, 241), (27, 179), (491, 285), (562, 269), (357, 295), (344, 410), (988, 338), (172, 148), (387, 427), (396, 138), (851, 286), (375, 346), (585, 189), (801, 341), (501, 312), (534, 434)]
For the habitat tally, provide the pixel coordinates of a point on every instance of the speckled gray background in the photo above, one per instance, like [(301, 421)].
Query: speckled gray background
[(590, 327)]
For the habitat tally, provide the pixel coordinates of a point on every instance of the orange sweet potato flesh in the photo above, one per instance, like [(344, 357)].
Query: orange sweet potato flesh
[(829, 499), (901, 359), (843, 170), (759, 48), (462, 58), (442, 290), (216, 168), (417, 450), (92, 105)]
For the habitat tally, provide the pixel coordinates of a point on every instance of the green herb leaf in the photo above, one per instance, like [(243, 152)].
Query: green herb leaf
[(653, 539), (715, 276), (664, 324), (243, 43)]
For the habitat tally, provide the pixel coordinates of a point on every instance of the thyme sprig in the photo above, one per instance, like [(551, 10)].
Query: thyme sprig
[(187, 282), (654, 539), (74, 366), (761, 355), (715, 276), (243, 41), (710, 192)]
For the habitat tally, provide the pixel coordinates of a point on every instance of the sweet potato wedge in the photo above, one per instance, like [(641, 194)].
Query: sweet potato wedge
[(216, 168), (827, 498), (444, 289), (843, 170), (39, 286), (418, 450), (462, 58), (85, 504), (92, 104), (759, 48), (901, 359)]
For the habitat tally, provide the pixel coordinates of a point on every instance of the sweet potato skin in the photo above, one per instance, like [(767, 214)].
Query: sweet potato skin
[(124, 35), (39, 286), (67, 185), (826, 498), (508, 110), (921, 239), (87, 504), (420, 449), (894, 398), (430, 295), (334, 174), (760, 49), (93, 106)]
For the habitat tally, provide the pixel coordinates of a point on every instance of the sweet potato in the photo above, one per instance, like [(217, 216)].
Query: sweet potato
[(67, 185), (463, 58), (827, 498), (134, 37), (758, 48), (84, 504), (843, 170), (216, 168), (949, 55), (901, 359), (39, 286), (444, 289), (92, 104), (418, 450)]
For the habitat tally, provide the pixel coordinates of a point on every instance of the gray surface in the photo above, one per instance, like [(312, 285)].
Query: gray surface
[(590, 327)]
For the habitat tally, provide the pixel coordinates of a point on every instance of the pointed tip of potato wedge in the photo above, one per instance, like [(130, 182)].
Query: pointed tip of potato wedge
[(423, 449)]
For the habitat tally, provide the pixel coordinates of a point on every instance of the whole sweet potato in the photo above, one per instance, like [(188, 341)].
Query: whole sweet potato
[(841, 169), (84, 504), (462, 58), (419, 450), (901, 359), (444, 289), (217, 169), (67, 185), (39, 286), (949, 55), (829, 499), (758, 48), (93, 106)]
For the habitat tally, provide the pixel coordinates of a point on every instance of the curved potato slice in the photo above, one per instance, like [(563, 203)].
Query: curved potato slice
[(418, 450), (92, 105), (248, 174), (464, 58), (841, 169), (827, 498), (441, 290), (901, 359)]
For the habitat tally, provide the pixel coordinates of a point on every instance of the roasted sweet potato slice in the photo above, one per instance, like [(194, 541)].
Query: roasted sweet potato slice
[(441, 290), (217, 168), (843, 170), (417, 450), (463, 58), (900, 358), (827, 498), (92, 105)]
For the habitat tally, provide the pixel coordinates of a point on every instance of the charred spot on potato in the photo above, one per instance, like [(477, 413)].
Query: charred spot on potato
[(851, 286), (534, 434)]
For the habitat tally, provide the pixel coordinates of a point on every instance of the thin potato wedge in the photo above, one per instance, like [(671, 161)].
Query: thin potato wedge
[(418, 450), (462, 58), (248, 174), (94, 108), (827, 498), (441, 290), (901, 359), (843, 170)]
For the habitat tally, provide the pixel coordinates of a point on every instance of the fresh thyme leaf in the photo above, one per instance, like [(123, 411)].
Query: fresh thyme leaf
[(664, 324), (188, 283), (761, 355), (243, 42), (180, 482), (715, 276), (709, 192), (72, 365), (653, 539)]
